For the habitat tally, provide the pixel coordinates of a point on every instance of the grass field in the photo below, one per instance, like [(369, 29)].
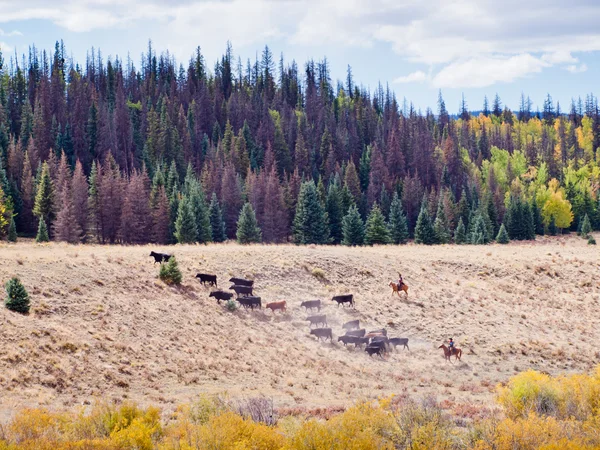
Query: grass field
[(102, 326)]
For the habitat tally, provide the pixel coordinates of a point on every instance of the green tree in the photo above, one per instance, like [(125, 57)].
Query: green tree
[(17, 298), (310, 222), (12, 231), (440, 225), (552, 227), (42, 233), (460, 234), (478, 233), (586, 227), (398, 224), (5, 213), (44, 197), (502, 237), (334, 212), (376, 230), (353, 227), (186, 230), (424, 232), (216, 220), (201, 213), (247, 226), (170, 273)]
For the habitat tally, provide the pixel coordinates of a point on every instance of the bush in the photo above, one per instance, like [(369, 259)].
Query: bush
[(232, 305), (591, 240), (170, 273), (42, 234), (17, 297)]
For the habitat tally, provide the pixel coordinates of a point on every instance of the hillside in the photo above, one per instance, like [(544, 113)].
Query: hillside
[(103, 326)]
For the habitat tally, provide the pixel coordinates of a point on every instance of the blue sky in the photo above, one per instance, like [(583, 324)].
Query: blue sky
[(459, 46)]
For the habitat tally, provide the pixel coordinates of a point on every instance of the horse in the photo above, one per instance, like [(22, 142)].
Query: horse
[(396, 289), (456, 352)]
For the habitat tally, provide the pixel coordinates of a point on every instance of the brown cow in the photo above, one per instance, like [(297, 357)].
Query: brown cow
[(274, 306)]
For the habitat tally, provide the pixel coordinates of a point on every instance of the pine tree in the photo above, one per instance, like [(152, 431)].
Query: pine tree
[(537, 217), (186, 231), (440, 225), (334, 212), (424, 232), (170, 273), (216, 220), (460, 234), (44, 198), (42, 233), (247, 226), (502, 237), (586, 227), (161, 218), (201, 213), (552, 227), (310, 222), (353, 228), (17, 298), (376, 230), (398, 224), (12, 231), (65, 227)]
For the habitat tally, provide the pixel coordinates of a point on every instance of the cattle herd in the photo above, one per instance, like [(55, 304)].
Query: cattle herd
[(375, 342)]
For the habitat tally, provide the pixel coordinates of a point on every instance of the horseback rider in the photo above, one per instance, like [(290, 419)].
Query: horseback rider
[(451, 345), (400, 281)]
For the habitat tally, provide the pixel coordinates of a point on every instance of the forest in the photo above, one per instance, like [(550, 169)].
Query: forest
[(271, 151)]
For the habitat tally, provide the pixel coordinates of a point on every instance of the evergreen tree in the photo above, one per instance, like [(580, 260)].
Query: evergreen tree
[(424, 232), (310, 222), (170, 273), (12, 231), (42, 233), (17, 298), (44, 198), (5, 213), (537, 217), (353, 228), (586, 227), (502, 237), (161, 218), (335, 214), (460, 234), (376, 230), (79, 190), (552, 227), (186, 231), (247, 226), (201, 213), (216, 220), (478, 233), (440, 225), (398, 224)]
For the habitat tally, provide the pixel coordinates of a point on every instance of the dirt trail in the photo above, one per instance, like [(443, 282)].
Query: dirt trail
[(103, 326)]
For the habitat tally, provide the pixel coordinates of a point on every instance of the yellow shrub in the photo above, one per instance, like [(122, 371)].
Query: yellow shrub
[(527, 392), (135, 429)]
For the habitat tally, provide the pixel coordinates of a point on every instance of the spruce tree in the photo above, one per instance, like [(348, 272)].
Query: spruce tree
[(537, 217), (17, 298), (310, 222), (552, 226), (398, 224), (376, 231), (586, 227), (247, 226), (353, 227), (424, 232), (186, 230), (478, 234), (502, 237), (216, 220), (334, 212), (460, 234), (44, 198), (12, 231), (201, 213), (42, 233), (440, 225), (170, 273), (529, 221)]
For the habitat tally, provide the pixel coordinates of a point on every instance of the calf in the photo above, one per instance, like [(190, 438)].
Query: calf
[(242, 290), (311, 304), (343, 299), (374, 350), (349, 340), (250, 302), (241, 282), (160, 257), (317, 320), (206, 278), (274, 306), (399, 341), (352, 325), (322, 333), (357, 333), (220, 295)]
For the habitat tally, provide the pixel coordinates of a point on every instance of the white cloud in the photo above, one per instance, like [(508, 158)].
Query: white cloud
[(10, 33), (416, 77), (573, 68)]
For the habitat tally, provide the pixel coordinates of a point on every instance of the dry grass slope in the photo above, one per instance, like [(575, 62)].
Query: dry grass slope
[(103, 325)]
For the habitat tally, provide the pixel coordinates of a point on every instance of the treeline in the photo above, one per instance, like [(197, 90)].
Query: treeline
[(168, 153)]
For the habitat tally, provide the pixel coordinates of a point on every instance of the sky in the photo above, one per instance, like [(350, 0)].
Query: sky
[(475, 48)]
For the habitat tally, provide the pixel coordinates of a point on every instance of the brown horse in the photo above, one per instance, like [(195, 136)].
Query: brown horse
[(396, 289), (456, 352)]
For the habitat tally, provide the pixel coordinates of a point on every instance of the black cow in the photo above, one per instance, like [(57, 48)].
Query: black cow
[(241, 282), (322, 333), (360, 341), (206, 278), (317, 320), (374, 350), (357, 333), (380, 340), (352, 325), (250, 302), (220, 295), (399, 341), (160, 257), (311, 304), (343, 299), (349, 340), (241, 290)]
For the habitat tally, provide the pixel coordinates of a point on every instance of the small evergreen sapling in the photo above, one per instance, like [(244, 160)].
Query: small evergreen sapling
[(42, 234), (170, 273), (586, 227), (460, 235), (502, 237), (17, 297), (12, 231)]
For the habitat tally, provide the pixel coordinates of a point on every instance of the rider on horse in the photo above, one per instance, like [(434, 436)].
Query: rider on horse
[(400, 281), (451, 344)]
